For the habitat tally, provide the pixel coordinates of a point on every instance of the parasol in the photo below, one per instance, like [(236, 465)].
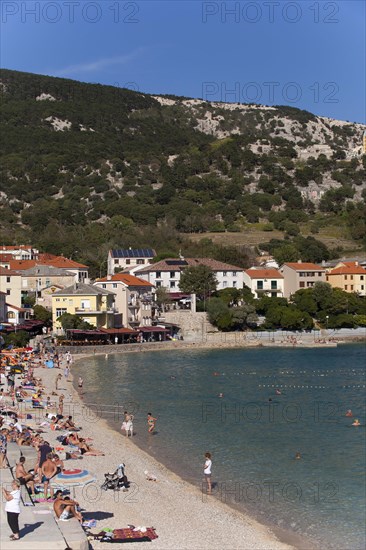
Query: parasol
[(72, 478)]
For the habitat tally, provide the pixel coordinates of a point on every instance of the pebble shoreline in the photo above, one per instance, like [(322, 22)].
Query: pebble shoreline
[(184, 516)]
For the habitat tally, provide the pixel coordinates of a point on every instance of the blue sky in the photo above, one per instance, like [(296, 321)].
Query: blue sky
[(307, 54)]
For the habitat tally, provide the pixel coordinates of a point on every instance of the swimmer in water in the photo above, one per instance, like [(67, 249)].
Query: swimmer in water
[(278, 392), (356, 422), (349, 413), (297, 456), (221, 395)]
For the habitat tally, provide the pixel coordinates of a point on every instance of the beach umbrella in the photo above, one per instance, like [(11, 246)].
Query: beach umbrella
[(72, 478)]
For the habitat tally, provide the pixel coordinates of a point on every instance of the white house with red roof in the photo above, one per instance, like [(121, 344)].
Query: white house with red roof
[(298, 275), (18, 252), (167, 273), (264, 282), (134, 299)]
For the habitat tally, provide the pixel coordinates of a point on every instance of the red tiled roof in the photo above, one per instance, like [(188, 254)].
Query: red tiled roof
[(264, 274), (5, 257), (48, 259), (304, 266), (21, 265), (129, 280), (348, 270)]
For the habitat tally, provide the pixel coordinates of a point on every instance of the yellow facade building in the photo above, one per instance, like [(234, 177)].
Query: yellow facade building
[(93, 304), (348, 276)]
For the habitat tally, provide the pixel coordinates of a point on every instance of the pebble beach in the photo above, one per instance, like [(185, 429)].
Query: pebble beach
[(184, 516)]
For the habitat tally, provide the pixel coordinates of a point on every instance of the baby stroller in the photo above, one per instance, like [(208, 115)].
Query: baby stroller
[(116, 480)]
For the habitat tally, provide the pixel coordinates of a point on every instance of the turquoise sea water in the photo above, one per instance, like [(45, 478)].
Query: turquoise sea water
[(253, 440)]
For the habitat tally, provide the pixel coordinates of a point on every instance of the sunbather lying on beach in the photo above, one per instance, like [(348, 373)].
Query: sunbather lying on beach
[(87, 450)]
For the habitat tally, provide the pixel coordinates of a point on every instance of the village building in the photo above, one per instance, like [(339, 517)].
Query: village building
[(301, 275), (264, 282), (348, 276), (10, 284), (167, 273), (125, 258), (92, 303)]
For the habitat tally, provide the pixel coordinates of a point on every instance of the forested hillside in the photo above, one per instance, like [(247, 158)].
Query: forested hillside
[(85, 165)]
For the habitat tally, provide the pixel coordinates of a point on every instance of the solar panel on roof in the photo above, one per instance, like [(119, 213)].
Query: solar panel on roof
[(176, 262), (133, 253)]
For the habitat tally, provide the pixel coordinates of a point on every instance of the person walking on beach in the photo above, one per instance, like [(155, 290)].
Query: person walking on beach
[(127, 425), (58, 379), (207, 472), (12, 508), (66, 372), (80, 383), (151, 423), (3, 447)]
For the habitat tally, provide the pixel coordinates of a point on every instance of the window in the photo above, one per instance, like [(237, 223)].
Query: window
[(273, 284), (345, 277), (224, 284), (158, 284), (345, 287), (140, 261), (48, 282), (351, 287), (234, 273), (57, 299), (172, 284), (11, 315), (351, 277), (116, 262), (302, 284), (60, 311), (128, 261), (259, 285), (104, 286), (114, 285), (319, 274), (362, 287), (273, 294), (8, 291), (158, 274), (172, 274), (234, 284), (224, 273), (361, 277), (8, 279)]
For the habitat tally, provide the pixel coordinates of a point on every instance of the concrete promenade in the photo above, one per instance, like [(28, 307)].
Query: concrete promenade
[(39, 529)]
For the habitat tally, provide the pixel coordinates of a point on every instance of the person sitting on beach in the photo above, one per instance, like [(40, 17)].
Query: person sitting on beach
[(24, 477), (48, 470), (65, 508), (58, 463), (151, 422), (349, 413), (356, 422)]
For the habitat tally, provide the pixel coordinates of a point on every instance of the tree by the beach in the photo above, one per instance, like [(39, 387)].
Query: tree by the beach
[(199, 280), (42, 314), (162, 297)]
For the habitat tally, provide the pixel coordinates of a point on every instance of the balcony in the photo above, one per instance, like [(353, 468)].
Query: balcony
[(91, 311)]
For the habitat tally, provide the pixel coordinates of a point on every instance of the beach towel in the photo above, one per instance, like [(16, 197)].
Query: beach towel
[(146, 534)]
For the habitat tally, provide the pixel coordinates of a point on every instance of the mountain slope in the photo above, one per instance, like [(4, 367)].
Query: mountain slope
[(76, 153)]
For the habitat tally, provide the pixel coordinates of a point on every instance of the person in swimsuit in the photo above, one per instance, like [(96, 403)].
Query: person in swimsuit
[(65, 508), (151, 422), (356, 422), (349, 413), (23, 476), (207, 472), (48, 470)]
